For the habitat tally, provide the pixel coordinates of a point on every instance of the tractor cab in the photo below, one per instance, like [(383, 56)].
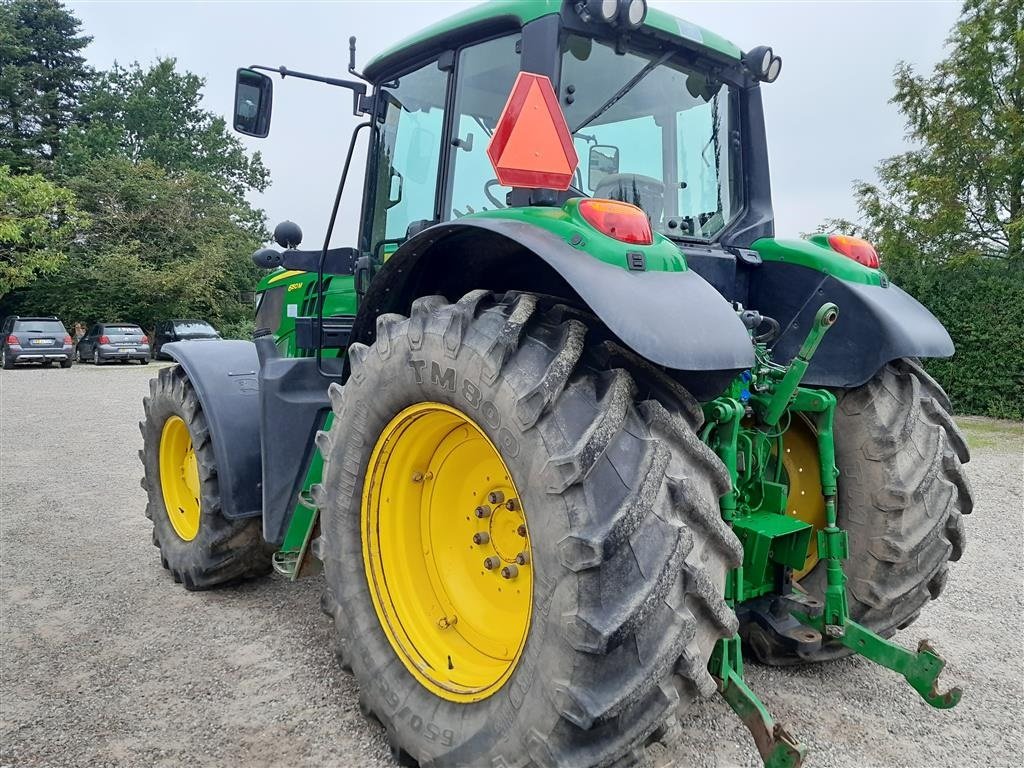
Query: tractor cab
[(662, 114)]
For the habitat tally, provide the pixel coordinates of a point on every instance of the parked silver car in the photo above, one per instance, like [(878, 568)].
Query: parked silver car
[(106, 342)]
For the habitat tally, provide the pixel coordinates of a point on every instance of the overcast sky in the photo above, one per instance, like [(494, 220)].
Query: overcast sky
[(829, 120)]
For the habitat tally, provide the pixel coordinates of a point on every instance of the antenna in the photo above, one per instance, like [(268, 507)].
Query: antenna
[(352, 58)]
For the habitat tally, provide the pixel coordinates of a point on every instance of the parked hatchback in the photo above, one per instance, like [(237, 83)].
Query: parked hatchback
[(181, 330), (34, 340), (106, 342)]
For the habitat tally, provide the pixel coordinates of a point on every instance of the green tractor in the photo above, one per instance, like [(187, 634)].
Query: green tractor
[(569, 432)]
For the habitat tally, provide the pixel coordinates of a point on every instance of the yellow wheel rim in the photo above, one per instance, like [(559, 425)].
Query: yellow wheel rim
[(802, 468), (179, 478), (446, 552)]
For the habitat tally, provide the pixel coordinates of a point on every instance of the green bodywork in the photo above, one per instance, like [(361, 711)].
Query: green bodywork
[(818, 255), (567, 224), (520, 12)]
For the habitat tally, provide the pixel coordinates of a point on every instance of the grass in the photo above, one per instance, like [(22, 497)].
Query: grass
[(997, 434)]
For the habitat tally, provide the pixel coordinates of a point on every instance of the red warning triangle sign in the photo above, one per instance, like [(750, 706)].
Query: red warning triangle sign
[(531, 146)]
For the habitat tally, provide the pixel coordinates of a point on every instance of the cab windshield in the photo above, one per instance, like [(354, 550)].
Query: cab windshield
[(664, 145)]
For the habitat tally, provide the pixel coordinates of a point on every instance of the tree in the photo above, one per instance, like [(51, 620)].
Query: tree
[(38, 223), (42, 74), (156, 115), (961, 194), (159, 246)]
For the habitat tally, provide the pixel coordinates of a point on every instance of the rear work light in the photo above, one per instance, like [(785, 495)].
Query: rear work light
[(12, 339), (625, 222), (855, 248), (104, 339)]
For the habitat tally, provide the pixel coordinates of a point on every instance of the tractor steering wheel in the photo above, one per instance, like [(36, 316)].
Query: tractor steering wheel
[(490, 195)]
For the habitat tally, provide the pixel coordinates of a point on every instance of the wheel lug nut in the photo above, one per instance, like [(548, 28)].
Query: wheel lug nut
[(521, 530), (482, 511), (495, 497), (512, 505), (481, 537), (523, 558), (509, 572), (491, 563)]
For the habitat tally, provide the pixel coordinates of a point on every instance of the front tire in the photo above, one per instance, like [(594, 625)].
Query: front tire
[(628, 549), (198, 545)]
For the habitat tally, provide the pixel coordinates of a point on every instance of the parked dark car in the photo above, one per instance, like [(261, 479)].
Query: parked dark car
[(181, 330), (113, 341), (42, 340)]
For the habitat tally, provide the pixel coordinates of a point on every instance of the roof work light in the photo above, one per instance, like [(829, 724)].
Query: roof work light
[(629, 14), (763, 64)]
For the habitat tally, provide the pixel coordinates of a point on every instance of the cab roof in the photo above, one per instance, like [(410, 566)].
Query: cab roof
[(497, 15)]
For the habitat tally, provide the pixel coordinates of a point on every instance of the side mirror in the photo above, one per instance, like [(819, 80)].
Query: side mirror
[(603, 161), (254, 97)]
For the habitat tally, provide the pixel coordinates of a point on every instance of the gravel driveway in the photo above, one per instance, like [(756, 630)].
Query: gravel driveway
[(105, 661)]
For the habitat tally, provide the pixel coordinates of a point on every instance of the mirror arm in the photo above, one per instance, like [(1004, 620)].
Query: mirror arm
[(358, 89)]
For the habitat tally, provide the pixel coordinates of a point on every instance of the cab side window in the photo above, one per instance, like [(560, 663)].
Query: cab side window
[(408, 155)]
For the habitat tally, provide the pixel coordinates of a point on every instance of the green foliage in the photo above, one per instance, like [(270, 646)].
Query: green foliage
[(42, 73), (948, 217), (155, 115), (159, 246), (142, 215), (981, 304), (38, 222)]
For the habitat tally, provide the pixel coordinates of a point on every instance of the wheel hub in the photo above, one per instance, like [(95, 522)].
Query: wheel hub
[(447, 552), (804, 502), (179, 478)]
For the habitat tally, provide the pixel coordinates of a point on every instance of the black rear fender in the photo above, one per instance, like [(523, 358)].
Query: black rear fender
[(876, 324), (673, 319)]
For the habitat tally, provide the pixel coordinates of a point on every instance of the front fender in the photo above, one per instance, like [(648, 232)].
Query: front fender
[(672, 318), (225, 376), (877, 323)]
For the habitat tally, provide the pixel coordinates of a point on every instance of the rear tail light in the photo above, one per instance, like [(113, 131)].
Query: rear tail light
[(145, 340), (623, 221), (104, 339), (855, 248), (12, 339), (67, 339)]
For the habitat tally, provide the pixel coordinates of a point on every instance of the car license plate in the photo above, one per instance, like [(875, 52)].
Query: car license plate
[(127, 349), (42, 342)]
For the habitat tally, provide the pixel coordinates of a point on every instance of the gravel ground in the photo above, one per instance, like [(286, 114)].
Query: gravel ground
[(105, 661)]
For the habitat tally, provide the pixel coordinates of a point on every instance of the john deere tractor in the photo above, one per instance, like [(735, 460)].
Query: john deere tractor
[(569, 431)]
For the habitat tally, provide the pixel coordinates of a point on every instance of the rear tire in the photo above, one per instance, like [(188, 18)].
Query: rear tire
[(629, 551), (65, 363), (96, 359), (903, 492), (223, 551), (8, 364)]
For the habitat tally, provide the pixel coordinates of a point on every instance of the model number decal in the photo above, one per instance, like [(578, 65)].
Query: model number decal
[(447, 378)]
